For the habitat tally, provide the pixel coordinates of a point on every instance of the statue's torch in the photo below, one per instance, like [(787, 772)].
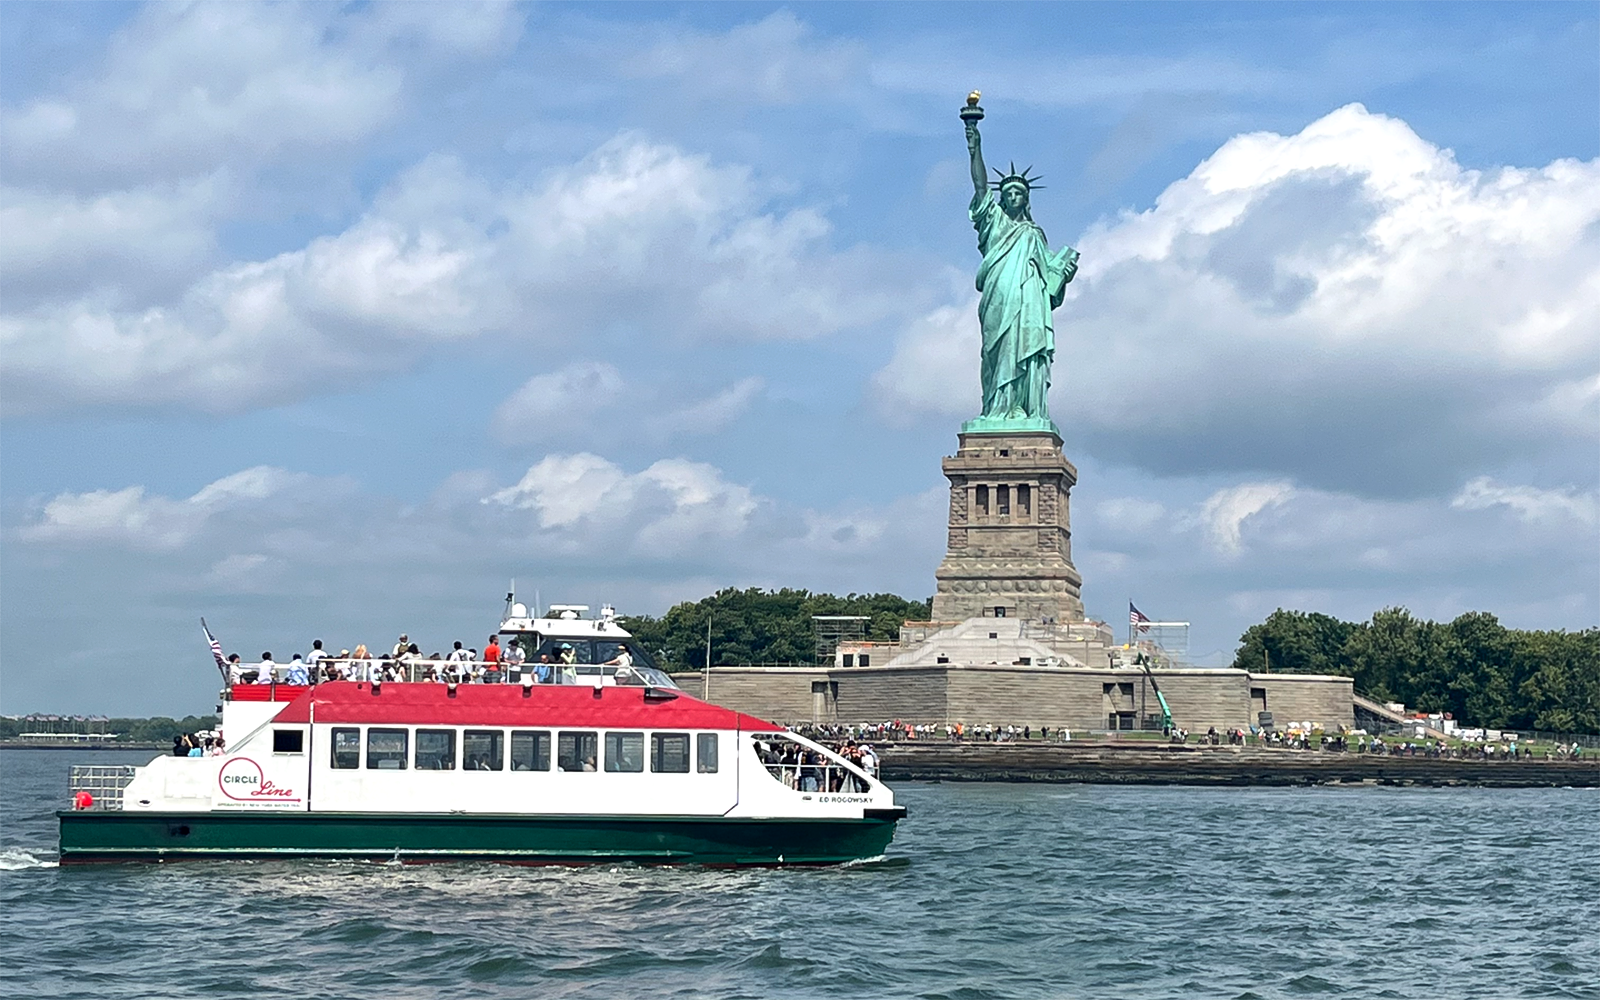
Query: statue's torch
[(972, 114)]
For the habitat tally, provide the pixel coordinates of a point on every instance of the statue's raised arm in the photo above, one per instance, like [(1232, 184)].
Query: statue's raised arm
[(980, 173), (1019, 283)]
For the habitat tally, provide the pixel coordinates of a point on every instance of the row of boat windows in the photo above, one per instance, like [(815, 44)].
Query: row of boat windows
[(529, 750)]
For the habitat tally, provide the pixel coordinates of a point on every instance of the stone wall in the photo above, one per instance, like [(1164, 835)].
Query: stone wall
[(1325, 700), (781, 694), (1025, 695)]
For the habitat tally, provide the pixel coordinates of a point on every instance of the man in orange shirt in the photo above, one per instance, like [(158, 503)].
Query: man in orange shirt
[(491, 654)]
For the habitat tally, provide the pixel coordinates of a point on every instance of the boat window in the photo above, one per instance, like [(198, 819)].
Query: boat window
[(577, 751), (346, 749), (582, 651), (436, 749), (484, 749), (706, 753), (669, 753), (625, 752), (530, 750), (288, 741), (655, 678), (386, 749)]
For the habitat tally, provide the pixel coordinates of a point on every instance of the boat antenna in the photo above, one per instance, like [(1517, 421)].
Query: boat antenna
[(536, 604)]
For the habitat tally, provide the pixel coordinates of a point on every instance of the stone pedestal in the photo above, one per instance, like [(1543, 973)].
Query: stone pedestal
[(1010, 544)]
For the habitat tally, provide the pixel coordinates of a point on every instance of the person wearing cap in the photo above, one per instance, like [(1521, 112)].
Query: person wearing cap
[(400, 647), (567, 658)]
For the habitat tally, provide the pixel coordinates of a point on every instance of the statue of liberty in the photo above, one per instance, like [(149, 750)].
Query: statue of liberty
[(1019, 282)]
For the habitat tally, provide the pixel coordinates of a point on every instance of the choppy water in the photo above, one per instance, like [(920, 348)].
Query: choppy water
[(988, 891)]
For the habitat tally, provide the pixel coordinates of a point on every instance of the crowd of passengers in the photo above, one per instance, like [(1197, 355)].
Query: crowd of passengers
[(198, 745), (807, 770), (405, 662), (897, 731), (839, 735)]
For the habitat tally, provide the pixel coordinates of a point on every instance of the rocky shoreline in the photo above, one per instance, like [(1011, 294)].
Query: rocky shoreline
[(1133, 764)]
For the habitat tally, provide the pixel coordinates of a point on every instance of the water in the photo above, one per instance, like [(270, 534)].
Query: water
[(988, 891)]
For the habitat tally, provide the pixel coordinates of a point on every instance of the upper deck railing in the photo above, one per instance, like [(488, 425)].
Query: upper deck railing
[(445, 671)]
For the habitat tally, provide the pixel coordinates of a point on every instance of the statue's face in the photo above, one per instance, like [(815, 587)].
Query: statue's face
[(1014, 199)]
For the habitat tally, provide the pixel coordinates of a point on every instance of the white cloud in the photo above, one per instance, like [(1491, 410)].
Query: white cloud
[(934, 368), (184, 89), (776, 60), (637, 235), (129, 517), (591, 402), (1530, 503), (661, 511), (1225, 511), (1348, 306), (1130, 514)]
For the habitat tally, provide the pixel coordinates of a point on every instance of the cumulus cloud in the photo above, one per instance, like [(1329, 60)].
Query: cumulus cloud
[(638, 235), (1530, 503), (187, 89), (132, 518), (1225, 511), (592, 402), (659, 511), (1347, 306), (776, 60)]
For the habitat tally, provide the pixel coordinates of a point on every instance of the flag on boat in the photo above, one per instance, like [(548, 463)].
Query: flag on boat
[(1137, 620), (216, 649)]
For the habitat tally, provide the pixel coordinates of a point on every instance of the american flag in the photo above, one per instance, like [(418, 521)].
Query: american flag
[(1137, 620), (216, 649)]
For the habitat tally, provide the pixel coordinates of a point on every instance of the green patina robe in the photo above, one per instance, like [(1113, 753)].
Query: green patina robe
[(1019, 283)]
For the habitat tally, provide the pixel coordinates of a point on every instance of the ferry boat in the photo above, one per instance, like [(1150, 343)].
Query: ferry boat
[(595, 756)]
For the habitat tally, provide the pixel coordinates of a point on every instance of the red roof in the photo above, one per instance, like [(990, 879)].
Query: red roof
[(545, 706)]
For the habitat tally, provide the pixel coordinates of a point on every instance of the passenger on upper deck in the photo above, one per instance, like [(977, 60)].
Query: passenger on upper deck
[(314, 659), (491, 652), (235, 669), (400, 646), (296, 674), (544, 671), (514, 656), (265, 669)]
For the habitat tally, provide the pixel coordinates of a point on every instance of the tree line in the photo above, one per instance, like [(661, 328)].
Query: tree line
[(158, 729), (1472, 667), (763, 626)]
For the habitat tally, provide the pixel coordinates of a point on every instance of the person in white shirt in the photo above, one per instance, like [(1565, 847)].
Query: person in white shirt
[(314, 659), (513, 659), (264, 669), (455, 664), (235, 669)]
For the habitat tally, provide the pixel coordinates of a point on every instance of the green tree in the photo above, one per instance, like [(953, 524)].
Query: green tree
[(762, 626), (1294, 642), (1473, 667)]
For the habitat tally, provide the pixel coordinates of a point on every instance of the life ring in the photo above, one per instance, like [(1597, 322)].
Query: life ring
[(83, 800)]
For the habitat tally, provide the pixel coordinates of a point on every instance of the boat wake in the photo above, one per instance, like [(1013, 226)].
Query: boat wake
[(876, 861), (14, 860)]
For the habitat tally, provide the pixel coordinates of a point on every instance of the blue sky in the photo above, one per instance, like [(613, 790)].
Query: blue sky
[(327, 320)]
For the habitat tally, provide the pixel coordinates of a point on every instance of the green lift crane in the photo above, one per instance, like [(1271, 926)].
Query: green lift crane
[(1166, 712)]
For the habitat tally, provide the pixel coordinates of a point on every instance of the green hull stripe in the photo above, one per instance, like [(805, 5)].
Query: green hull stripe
[(106, 836)]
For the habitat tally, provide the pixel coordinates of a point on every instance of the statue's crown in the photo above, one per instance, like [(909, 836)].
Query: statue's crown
[(1015, 176)]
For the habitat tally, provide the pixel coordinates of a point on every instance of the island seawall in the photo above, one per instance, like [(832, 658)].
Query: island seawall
[(1105, 763)]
